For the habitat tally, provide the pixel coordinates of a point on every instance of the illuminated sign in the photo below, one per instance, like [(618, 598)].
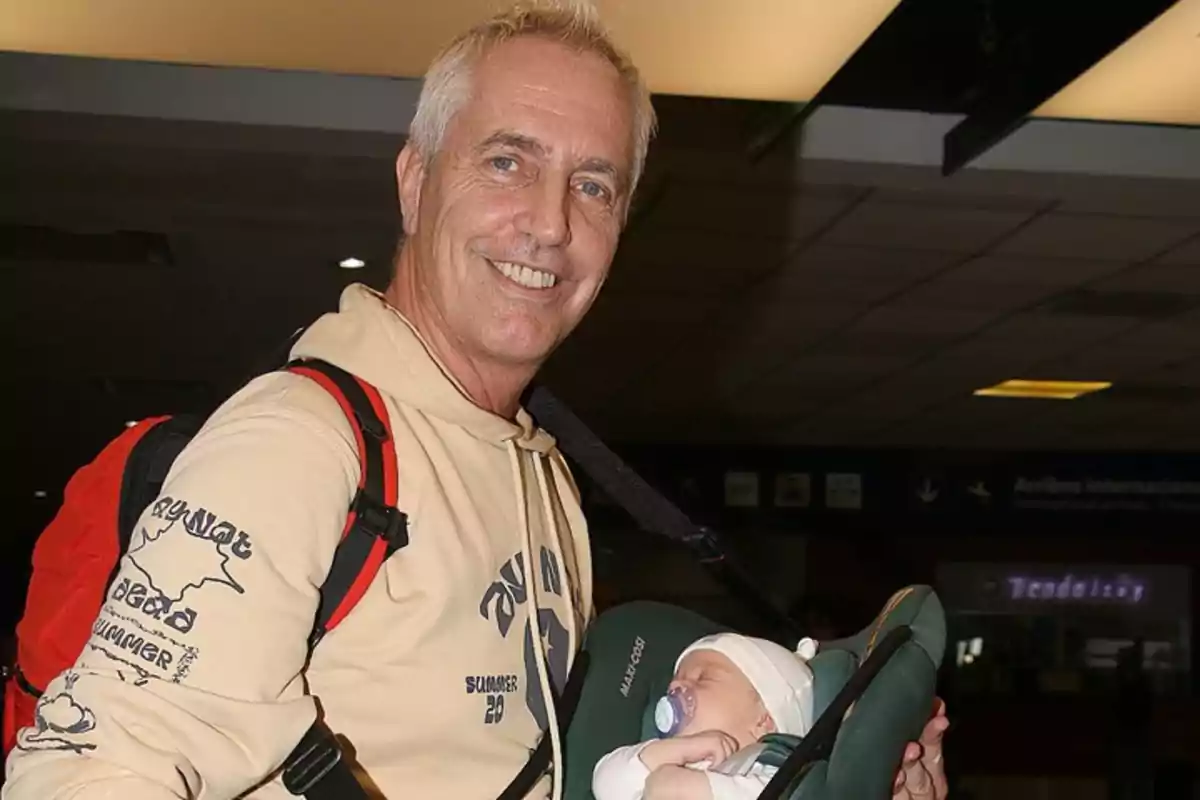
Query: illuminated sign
[(1120, 588)]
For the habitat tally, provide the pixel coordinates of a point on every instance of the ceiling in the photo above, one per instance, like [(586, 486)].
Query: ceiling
[(815, 302), (929, 54)]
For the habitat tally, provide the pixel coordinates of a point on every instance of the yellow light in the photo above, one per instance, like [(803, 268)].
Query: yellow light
[(1043, 390), (1154, 77), (782, 50)]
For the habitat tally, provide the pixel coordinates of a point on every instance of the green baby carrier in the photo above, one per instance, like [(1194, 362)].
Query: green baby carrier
[(873, 692), (884, 676)]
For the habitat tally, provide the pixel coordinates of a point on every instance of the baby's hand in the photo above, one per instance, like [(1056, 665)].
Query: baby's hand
[(677, 783), (711, 746)]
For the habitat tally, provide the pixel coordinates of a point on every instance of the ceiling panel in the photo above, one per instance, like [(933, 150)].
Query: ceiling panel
[(1149, 198), (941, 321), (1172, 339), (818, 378), (1097, 236), (925, 227), (1055, 272), (877, 270), (776, 213), (693, 263), (1106, 362), (956, 294), (1186, 253), (1037, 329), (1154, 278)]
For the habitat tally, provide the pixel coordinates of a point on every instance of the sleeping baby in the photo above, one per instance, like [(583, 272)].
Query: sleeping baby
[(728, 692)]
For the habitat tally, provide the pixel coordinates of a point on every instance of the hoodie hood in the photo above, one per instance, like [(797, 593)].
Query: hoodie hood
[(370, 338)]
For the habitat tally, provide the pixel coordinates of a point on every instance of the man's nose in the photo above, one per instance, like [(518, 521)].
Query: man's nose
[(547, 217)]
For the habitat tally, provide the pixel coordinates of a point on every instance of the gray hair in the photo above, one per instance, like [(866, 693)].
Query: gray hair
[(447, 84)]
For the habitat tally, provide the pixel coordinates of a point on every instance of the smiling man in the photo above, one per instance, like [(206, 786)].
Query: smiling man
[(527, 145)]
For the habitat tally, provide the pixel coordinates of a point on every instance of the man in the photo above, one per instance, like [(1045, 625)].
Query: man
[(524, 153)]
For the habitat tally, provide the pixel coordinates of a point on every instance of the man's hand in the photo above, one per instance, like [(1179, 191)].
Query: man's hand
[(679, 751), (677, 783), (922, 775)]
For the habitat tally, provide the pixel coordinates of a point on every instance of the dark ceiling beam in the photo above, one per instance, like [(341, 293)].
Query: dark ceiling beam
[(1039, 48), (32, 82)]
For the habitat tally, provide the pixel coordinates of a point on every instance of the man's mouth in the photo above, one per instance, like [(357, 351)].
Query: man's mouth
[(525, 276)]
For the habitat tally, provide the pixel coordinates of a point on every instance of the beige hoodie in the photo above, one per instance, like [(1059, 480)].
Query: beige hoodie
[(193, 684)]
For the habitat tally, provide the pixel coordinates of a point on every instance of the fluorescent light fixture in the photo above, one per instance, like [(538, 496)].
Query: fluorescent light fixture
[(352, 263), (782, 50), (1043, 390), (1154, 77)]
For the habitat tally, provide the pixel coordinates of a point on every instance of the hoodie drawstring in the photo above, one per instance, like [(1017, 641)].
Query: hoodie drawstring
[(539, 653)]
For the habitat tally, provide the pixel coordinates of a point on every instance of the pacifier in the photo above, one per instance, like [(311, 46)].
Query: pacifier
[(674, 710)]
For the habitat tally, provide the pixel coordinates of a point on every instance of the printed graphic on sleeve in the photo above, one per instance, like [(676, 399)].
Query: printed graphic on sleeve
[(201, 549), (148, 653), (502, 600), (59, 722)]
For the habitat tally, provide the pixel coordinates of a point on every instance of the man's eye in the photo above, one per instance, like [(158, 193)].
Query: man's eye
[(594, 189), (503, 163)]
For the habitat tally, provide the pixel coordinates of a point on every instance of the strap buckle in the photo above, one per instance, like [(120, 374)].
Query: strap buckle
[(705, 542), (377, 519), (314, 758)]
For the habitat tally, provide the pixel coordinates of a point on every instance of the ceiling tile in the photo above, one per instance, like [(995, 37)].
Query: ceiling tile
[(1102, 363), (848, 262), (911, 319), (1095, 236), (1147, 197), (1186, 253), (1057, 272), (944, 228), (1169, 340), (693, 263), (760, 213), (1035, 329), (954, 194), (855, 341), (1154, 278), (953, 294)]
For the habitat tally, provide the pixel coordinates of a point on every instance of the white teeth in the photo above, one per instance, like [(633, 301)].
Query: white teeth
[(526, 276)]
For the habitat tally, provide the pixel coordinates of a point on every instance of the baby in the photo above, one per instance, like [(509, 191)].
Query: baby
[(727, 693)]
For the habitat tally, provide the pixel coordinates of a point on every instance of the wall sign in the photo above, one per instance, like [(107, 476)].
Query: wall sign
[(1158, 591), (1082, 589)]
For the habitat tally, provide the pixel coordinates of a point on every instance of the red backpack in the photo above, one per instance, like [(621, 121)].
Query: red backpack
[(77, 556)]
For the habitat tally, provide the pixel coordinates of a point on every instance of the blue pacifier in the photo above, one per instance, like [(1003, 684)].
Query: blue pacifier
[(673, 711)]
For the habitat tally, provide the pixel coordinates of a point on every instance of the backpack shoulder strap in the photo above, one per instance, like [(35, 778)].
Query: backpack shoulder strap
[(146, 470), (375, 527)]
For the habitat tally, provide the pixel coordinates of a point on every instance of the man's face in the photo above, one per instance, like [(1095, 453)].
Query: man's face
[(516, 219)]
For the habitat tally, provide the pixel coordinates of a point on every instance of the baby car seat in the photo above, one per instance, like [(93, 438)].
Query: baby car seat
[(873, 693)]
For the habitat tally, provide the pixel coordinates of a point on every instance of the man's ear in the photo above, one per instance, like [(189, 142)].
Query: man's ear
[(410, 176)]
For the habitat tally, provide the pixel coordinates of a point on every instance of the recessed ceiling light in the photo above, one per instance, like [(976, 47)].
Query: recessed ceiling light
[(1043, 390), (352, 263), (41, 494)]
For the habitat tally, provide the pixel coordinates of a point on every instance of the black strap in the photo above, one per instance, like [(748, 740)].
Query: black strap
[(317, 768), (542, 757), (145, 472), (649, 509), (23, 683), (374, 518), (818, 742)]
